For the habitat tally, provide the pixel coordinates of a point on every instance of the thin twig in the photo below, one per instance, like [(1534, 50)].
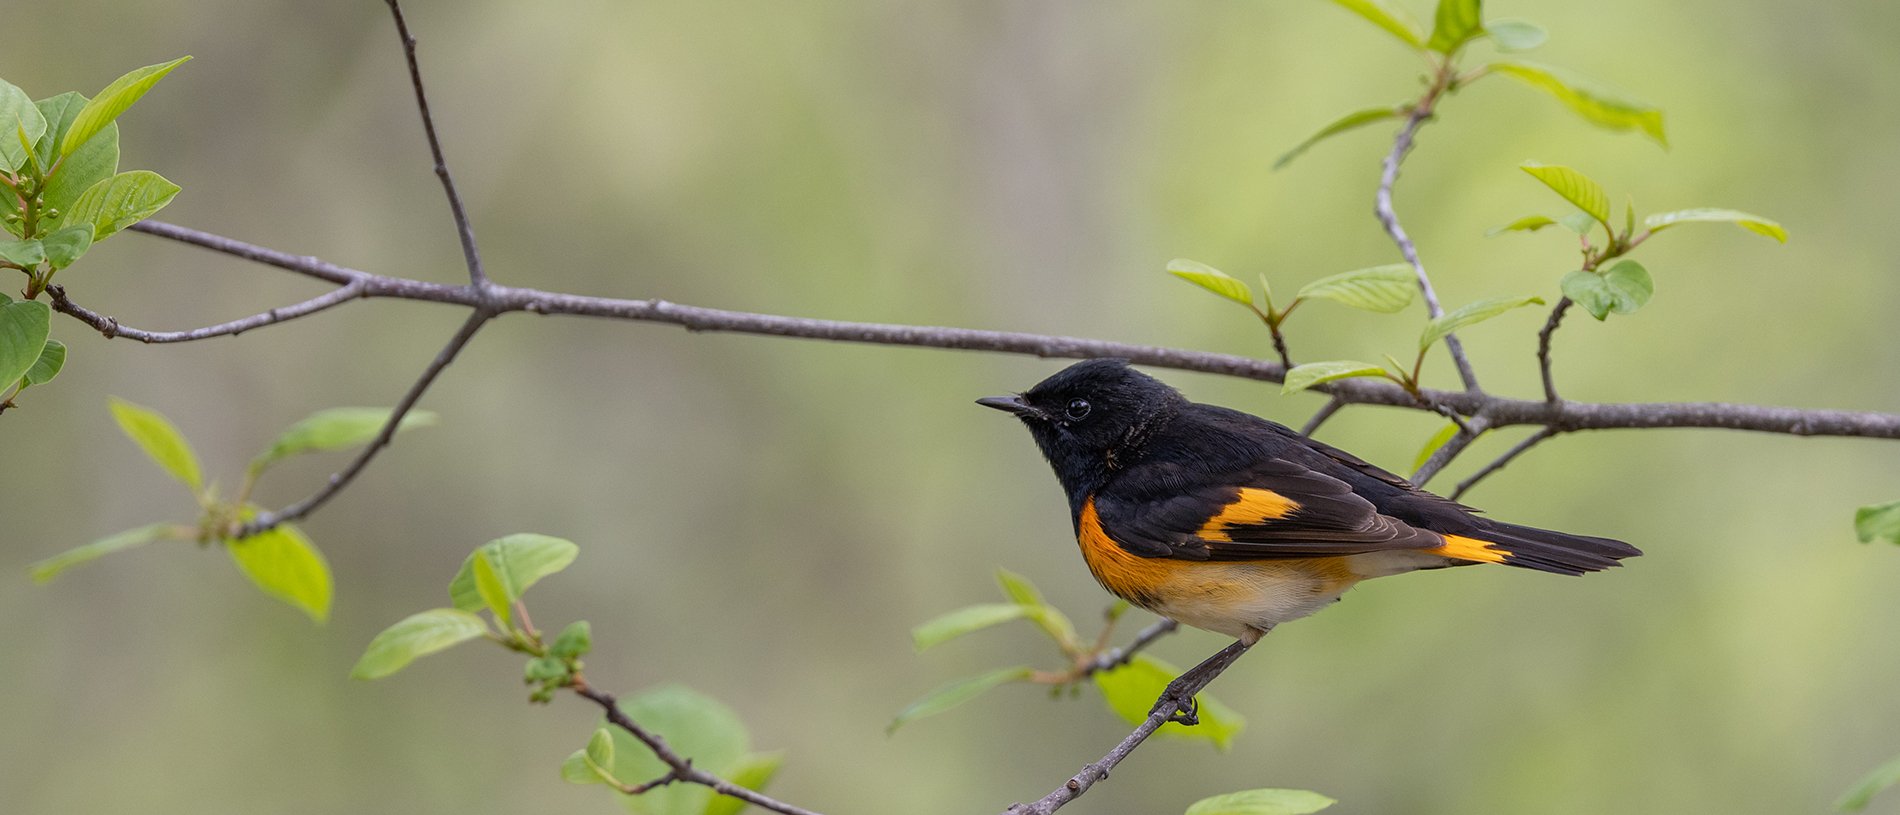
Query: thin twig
[(1326, 411), (338, 481), (1499, 462), (1543, 347), (682, 766), (477, 276), (1389, 217), (1117, 657), (111, 327), (1467, 434)]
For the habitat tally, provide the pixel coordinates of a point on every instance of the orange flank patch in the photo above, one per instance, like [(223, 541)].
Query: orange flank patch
[(1464, 548), (1139, 580), (1253, 506)]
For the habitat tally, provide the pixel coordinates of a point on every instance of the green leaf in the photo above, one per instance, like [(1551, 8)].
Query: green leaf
[(574, 641), (287, 566), (1318, 373), (336, 429), (1432, 444), (489, 586), (1393, 19), (1516, 35), (1575, 187), (1528, 223), (1578, 221), (1454, 321), (160, 440), (120, 201), (1132, 689), (28, 253), (1387, 289), (1350, 121), (18, 114), (1050, 619), (1753, 223), (600, 748), (52, 358), (1878, 521), (1455, 24), (1262, 802), (1601, 107), (51, 567), (754, 772), (112, 101), (93, 162), (1857, 797), (418, 635), (958, 692), (1622, 288), (965, 620), (576, 770), (1211, 279), (518, 560), (698, 727), (66, 244)]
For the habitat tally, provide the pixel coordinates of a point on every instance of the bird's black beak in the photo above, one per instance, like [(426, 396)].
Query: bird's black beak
[(1013, 404)]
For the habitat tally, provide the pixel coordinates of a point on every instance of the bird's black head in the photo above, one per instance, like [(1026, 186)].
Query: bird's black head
[(1092, 418)]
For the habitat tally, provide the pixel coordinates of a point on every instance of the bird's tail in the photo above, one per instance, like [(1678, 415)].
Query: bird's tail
[(1533, 548)]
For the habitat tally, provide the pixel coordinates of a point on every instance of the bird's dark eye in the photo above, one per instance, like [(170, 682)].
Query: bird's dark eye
[(1077, 410)]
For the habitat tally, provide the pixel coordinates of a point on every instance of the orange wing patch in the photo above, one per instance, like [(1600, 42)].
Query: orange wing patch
[(1464, 548), (1253, 506)]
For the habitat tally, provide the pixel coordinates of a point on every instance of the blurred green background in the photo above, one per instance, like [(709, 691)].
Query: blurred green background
[(764, 519)]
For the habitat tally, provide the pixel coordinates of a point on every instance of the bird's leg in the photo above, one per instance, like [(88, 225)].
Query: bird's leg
[(1179, 696)]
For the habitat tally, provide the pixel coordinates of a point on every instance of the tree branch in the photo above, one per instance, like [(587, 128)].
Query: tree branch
[(1326, 411), (477, 276), (1499, 462), (682, 767), (111, 327), (1543, 346), (1389, 217), (1450, 449), (1117, 657)]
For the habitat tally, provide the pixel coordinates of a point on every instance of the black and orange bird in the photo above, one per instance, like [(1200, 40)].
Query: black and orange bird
[(1232, 523)]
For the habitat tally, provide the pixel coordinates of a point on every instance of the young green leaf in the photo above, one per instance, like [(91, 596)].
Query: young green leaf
[(1528, 223), (415, 636), (753, 773), (120, 201), (18, 113), (1753, 223), (1455, 24), (600, 748), (287, 566), (65, 245), (574, 641), (27, 253), (1515, 35), (958, 692), (52, 358), (1387, 289), (1601, 107), (51, 567), (1878, 521), (1132, 689), (1211, 279), (112, 101), (1318, 373), (576, 769), (1049, 618), (1575, 187), (1578, 221), (1350, 121), (518, 560), (697, 727), (1018, 588), (965, 620), (1858, 796), (488, 584), (1622, 288), (96, 160), (1396, 21), (1470, 314), (1262, 802), (160, 440), (1432, 444), (336, 429)]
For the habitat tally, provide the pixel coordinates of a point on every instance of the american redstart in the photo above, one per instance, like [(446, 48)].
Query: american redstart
[(1229, 522)]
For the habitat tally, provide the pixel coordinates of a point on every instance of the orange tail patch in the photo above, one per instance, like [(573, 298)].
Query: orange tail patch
[(1463, 548)]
